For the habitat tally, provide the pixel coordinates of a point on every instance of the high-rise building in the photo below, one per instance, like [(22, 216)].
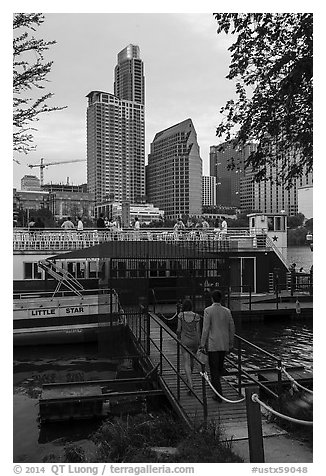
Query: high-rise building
[(209, 190), (305, 201), (116, 134), (174, 171), (129, 81), (237, 188), (228, 182), (273, 197)]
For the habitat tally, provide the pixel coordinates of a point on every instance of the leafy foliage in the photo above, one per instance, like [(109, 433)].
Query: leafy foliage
[(271, 60), (29, 73), (295, 221), (309, 225)]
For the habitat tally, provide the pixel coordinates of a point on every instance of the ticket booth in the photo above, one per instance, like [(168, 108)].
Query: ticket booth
[(274, 225)]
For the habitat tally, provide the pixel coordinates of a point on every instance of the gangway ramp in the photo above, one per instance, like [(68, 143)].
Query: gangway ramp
[(162, 352), (165, 354)]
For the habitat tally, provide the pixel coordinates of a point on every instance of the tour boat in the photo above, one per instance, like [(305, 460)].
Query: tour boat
[(72, 315)]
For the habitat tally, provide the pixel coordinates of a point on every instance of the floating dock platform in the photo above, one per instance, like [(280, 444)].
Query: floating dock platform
[(94, 399)]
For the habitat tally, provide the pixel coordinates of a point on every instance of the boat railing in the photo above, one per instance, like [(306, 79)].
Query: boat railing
[(49, 294), (58, 239)]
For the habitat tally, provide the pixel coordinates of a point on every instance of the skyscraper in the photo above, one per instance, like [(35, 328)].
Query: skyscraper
[(272, 197), (228, 182), (129, 82), (116, 134), (174, 171), (209, 190), (237, 187)]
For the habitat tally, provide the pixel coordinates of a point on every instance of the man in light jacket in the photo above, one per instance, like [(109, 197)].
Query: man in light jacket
[(217, 337)]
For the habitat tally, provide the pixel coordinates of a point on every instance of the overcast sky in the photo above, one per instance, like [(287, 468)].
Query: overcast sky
[(185, 64)]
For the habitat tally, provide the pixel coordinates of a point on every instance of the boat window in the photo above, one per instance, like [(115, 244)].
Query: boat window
[(37, 272), (132, 268), (172, 268), (93, 270), (277, 223), (102, 272), (70, 267), (80, 270), (153, 269), (28, 270), (142, 269), (122, 269), (114, 271), (162, 268), (270, 223)]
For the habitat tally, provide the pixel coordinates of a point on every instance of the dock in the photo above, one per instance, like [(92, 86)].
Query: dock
[(260, 308), (160, 356), (94, 399), (231, 417)]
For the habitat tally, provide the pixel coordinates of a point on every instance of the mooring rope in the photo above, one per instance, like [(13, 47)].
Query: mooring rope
[(295, 382), (255, 398), (166, 318), (204, 374)]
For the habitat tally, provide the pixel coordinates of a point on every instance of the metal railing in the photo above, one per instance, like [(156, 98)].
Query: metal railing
[(140, 326), (299, 283), (58, 239), (270, 244), (84, 292), (237, 363)]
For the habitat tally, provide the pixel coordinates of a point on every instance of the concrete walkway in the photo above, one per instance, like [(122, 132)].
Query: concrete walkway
[(278, 449)]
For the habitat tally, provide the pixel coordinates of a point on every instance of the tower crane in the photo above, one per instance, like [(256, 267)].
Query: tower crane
[(42, 166)]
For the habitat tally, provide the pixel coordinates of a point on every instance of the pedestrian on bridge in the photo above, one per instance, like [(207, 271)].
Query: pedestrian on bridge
[(188, 332), (217, 338)]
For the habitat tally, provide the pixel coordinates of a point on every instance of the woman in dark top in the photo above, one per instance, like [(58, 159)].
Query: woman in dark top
[(188, 332)]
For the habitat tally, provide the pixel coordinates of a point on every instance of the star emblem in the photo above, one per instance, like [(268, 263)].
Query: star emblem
[(275, 238)]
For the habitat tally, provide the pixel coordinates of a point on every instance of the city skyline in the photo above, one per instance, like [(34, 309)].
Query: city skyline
[(185, 82)]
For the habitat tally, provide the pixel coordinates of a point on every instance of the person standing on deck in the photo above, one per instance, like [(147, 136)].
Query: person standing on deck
[(137, 224), (224, 229), (188, 332), (68, 224), (31, 224), (100, 224), (217, 337), (137, 229), (80, 225)]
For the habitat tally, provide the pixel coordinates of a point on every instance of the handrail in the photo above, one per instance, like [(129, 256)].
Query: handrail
[(256, 399), (62, 276), (241, 371), (297, 384), (175, 369), (21, 235), (248, 375), (205, 375), (257, 347), (162, 356), (44, 294), (271, 245)]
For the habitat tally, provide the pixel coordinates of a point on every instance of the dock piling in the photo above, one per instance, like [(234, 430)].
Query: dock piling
[(255, 432)]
